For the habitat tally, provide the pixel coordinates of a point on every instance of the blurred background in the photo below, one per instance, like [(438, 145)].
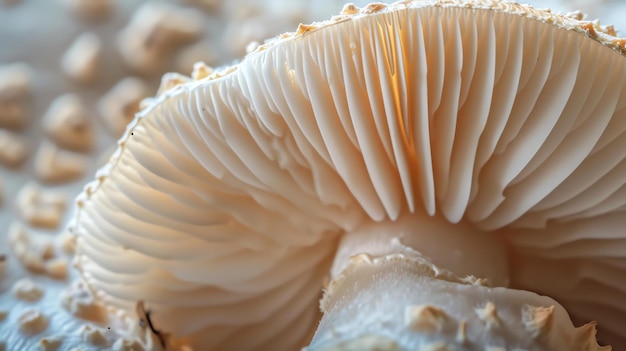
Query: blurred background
[(72, 74)]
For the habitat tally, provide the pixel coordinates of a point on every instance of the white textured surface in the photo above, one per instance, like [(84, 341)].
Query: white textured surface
[(25, 35), (362, 142)]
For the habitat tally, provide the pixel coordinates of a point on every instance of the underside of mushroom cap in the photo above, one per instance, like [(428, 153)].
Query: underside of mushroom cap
[(223, 204)]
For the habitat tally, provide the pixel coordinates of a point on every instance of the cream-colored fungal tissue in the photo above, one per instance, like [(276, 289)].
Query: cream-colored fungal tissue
[(209, 175)]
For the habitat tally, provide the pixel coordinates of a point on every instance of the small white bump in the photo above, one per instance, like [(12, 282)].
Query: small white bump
[(32, 322), (53, 165), (489, 315), (27, 290), (119, 105), (93, 336), (50, 343), (67, 123), (13, 148), (40, 208), (82, 59)]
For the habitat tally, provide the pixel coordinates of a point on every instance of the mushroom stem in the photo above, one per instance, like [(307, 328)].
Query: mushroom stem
[(460, 247), (386, 295)]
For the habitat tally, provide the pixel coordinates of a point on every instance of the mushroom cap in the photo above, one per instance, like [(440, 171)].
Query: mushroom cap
[(222, 207)]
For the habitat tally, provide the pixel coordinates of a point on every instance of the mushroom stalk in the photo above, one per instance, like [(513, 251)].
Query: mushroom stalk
[(385, 294)]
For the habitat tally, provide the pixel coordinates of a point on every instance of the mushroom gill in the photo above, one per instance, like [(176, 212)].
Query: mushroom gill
[(429, 140)]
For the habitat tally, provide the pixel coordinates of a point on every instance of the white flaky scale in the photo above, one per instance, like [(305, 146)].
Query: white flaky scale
[(27, 290), (425, 317), (14, 149), (40, 208), (118, 106), (67, 123), (32, 252), (78, 301), (489, 315), (81, 61), (93, 336), (16, 85), (54, 165), (32, 322), (52, 343)]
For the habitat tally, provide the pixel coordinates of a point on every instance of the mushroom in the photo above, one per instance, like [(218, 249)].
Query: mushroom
[(444, 166)]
